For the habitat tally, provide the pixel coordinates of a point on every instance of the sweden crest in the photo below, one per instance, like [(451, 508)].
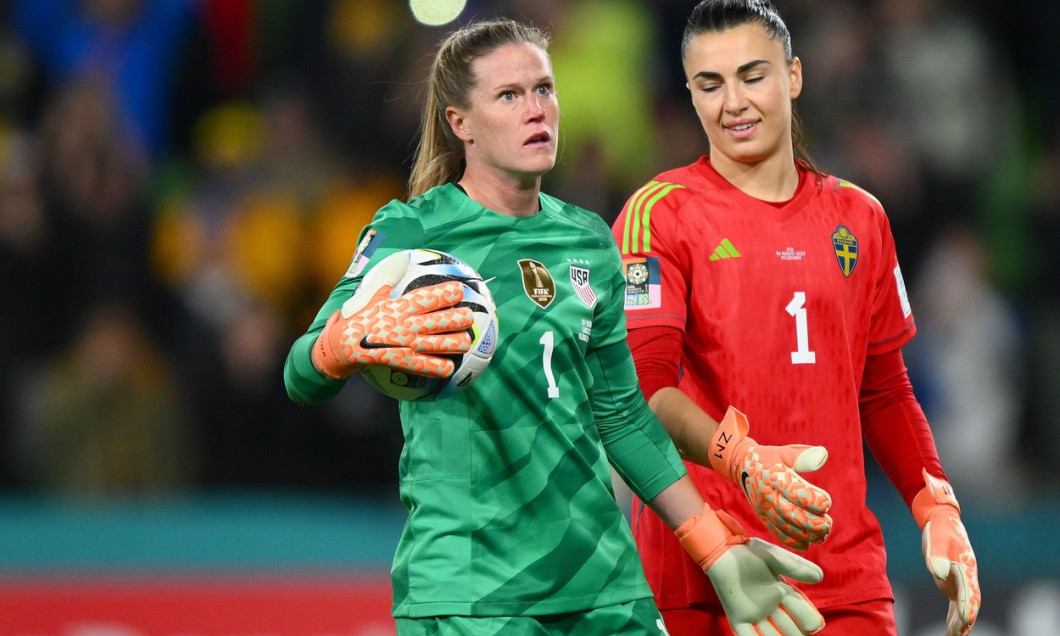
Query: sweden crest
[(846, 249)]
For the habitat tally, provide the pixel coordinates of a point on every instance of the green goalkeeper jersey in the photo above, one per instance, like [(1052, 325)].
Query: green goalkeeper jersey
[(507, 483)]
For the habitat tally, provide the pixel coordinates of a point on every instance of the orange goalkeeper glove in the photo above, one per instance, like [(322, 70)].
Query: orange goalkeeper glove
[(948, 553), (746, 574), (794, 510), (408, 332)]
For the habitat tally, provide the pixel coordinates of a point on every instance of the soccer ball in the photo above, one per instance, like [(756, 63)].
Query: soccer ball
[(429, 267)]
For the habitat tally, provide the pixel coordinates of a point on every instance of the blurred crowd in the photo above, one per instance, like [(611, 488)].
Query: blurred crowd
[(182, 182)]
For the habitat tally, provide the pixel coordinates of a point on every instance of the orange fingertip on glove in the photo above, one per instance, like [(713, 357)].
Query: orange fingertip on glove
[(948, 552)]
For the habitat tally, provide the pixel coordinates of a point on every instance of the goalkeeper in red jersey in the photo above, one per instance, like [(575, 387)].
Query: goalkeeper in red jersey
[(754, 280)]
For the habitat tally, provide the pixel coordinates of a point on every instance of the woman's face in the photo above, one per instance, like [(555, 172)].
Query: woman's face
[(510, 128), (742, 89)]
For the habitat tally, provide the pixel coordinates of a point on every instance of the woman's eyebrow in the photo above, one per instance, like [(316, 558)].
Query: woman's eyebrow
[(742, 69)]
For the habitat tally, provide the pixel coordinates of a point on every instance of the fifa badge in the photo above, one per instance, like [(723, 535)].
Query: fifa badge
[(537, 282)]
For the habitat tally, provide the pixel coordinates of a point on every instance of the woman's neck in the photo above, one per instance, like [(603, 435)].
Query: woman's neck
[(503, 197), (774, 179)]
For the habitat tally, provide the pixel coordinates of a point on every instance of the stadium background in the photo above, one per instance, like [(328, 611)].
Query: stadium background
[(182, 180)]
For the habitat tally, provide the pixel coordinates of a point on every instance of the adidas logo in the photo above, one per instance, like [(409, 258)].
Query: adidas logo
[(725, 250)]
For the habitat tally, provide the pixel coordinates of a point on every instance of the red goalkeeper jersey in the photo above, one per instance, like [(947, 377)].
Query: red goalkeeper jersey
[(779, 305)]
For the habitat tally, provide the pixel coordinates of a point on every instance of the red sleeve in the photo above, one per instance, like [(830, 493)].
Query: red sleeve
[(894, 425), (657, 355)]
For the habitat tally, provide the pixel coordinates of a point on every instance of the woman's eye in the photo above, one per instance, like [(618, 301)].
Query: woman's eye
[(544, 89), (507, 95)]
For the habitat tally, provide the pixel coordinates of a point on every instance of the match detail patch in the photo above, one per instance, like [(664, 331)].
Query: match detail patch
[(643, 282), (364, 252)]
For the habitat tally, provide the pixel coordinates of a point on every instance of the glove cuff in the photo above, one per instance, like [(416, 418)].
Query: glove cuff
[(709, 535), (727, 444), (937, 492), (324, 357)]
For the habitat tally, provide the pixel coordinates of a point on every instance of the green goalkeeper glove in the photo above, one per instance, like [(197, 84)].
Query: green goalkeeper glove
[(746, 574), (948, 553), (407, 332), (794, 510)]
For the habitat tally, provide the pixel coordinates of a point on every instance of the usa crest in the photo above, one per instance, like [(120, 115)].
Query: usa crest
[(579, 278), (846, 249), (537, 282)]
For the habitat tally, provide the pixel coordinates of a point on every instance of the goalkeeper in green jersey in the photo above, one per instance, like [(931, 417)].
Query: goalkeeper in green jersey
[(512, 524)]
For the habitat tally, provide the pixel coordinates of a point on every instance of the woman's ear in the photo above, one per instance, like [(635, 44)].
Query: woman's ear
[(458, 123), (795, 78)]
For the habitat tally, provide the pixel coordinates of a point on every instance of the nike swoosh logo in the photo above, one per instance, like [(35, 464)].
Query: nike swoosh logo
[(364, 344), (744, 477)]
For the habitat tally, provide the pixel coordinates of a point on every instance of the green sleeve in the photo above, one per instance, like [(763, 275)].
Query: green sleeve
[(636, 443), (304, 383)]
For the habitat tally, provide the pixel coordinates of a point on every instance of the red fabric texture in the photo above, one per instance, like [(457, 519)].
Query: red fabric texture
[(657, 353), (894, 425)]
